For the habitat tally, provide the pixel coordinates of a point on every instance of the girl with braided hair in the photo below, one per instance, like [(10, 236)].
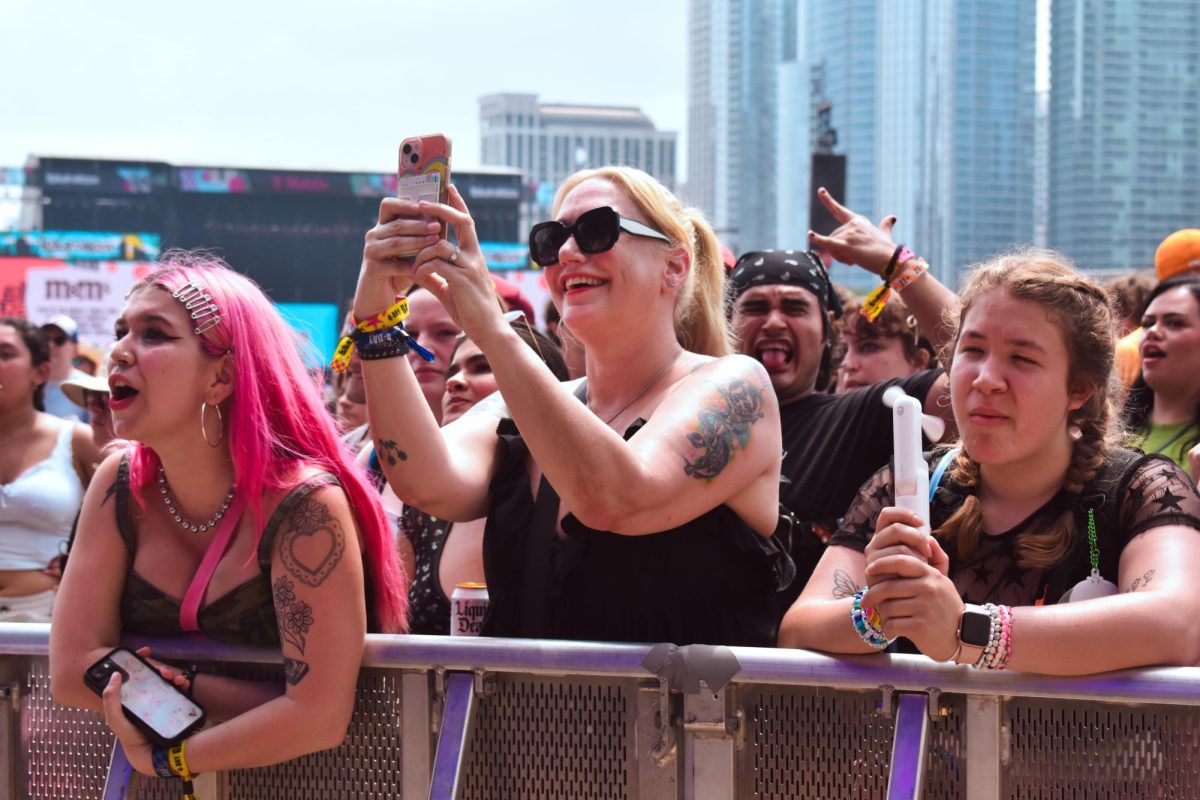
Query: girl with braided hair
[(1036, 506)]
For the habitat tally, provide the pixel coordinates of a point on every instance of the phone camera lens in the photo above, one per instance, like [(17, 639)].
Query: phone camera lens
[(407, 149), (414, 158)]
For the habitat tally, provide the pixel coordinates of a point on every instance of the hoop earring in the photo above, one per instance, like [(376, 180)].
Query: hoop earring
[(220, 424)]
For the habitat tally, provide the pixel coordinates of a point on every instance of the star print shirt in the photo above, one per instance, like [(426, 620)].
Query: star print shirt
[(1131, 495)]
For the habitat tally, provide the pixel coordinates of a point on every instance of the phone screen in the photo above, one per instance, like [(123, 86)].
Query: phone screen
[(151, 699)]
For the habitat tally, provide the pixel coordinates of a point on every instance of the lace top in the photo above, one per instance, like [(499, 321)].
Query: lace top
[(1133, 494)]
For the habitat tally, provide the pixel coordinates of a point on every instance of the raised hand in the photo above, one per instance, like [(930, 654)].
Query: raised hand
[(857, 240), (387, 266)]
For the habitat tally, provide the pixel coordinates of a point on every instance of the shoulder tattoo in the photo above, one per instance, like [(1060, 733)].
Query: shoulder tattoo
[(722, 427), (312, 543)]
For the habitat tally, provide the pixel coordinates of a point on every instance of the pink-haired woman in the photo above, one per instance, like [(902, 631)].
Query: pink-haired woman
[(230, 451)]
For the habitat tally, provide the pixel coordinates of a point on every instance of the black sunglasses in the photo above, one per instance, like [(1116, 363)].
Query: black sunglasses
[(58, 339), (595, 231)]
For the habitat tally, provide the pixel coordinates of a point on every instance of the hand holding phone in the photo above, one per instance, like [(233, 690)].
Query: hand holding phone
[(424, 171), (157, 707)]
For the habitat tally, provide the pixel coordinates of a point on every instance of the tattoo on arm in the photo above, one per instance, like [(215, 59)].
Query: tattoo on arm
[(1142, 582), (722, 427), (843, 587), (109, 492), (294, 671), (391, 451), (313, 544), (295, 616)]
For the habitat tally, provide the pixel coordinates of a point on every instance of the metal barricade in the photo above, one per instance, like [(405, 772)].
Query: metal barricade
[(490, 719)]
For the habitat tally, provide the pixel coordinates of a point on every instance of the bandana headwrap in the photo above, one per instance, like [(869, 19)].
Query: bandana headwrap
[(790, 267)]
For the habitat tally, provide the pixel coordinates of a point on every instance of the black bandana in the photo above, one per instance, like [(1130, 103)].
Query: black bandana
[(791, 267)]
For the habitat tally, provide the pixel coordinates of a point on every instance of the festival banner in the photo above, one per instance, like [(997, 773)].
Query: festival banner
[(92, 295)]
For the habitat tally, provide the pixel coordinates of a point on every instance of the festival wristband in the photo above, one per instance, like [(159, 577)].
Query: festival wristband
[(867, 623), (388, 318), (913, 269), (162, 764), (177, 759)]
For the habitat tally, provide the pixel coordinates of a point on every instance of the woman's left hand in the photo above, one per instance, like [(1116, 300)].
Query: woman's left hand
[(458, 274), (137, 747), (917, 602)]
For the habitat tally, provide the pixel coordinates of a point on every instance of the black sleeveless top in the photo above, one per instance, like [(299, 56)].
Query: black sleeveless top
[(1130, 494), (711, 580), (243, 615)]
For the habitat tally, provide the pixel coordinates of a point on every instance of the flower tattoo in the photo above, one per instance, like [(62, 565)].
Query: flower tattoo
[(295, 616)]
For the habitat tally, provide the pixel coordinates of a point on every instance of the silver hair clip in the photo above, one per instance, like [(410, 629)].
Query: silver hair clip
[(200, 303)]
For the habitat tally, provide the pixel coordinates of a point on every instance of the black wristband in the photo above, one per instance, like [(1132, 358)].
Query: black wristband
[(190, 674), (888, 271), (162, 764), (386, 343)]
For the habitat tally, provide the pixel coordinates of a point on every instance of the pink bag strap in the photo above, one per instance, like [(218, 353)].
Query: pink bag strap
[(189, 610)]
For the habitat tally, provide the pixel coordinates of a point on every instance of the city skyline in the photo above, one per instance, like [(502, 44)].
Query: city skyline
[(300, 86)]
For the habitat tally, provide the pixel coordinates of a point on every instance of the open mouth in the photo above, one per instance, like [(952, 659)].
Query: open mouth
[(122, 392), (581, 282), (1153, 351), (775, 355)]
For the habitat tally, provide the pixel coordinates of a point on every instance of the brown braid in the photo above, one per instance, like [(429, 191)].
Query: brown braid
[(1080, 309)]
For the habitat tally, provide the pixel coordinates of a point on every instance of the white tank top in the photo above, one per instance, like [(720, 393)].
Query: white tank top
[(38, 509)]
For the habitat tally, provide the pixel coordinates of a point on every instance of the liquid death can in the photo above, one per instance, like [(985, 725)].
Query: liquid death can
[(468, 604)]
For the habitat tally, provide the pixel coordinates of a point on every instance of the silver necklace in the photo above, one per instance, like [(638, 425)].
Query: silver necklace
[(173, 507), (645, 388)]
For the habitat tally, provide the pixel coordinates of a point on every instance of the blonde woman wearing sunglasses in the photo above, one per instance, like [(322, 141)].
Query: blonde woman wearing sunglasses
[(635, 505)]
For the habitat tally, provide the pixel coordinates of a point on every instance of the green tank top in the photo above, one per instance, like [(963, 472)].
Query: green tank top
[(244, 615), (1173, 441)]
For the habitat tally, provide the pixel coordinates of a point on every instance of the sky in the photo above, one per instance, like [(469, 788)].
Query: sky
[(317, 85)]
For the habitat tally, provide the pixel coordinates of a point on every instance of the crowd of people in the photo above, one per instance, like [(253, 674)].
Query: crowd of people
[(697, 452)]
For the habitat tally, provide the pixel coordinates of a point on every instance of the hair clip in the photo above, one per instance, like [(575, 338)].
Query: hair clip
[(200, 303)]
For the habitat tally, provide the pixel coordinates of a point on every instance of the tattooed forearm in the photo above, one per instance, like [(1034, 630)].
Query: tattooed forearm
[(1142, 582), (722, 427), (294, 671), (390, 451), (295, 617), (313, 543), (843, 587)]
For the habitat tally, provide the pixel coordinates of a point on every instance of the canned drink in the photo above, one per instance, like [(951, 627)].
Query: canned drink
[(468, 604)]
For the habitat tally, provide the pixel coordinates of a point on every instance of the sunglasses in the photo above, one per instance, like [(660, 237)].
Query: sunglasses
[(58, 340), (595, 231)]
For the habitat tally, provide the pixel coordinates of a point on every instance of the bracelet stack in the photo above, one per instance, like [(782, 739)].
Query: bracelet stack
[(172, 763), (381, 336), (867, 624), (901, 271), (999, 646)]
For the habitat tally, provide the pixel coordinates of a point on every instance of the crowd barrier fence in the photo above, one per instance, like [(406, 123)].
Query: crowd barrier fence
[(493, 719)]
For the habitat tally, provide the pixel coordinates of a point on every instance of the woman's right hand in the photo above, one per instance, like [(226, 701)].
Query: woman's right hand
[(385, 272), (897, 532)]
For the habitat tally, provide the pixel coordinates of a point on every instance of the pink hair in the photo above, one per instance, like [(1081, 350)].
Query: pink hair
[(276, 420)]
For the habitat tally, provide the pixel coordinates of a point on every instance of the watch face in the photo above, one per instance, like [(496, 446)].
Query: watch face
[(976, 628)]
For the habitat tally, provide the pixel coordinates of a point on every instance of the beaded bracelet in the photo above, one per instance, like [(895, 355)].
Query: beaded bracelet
[(1004, 649), (867, 624)]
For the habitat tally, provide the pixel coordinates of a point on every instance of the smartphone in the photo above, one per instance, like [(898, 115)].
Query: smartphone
[(424, 172), (157, 707)]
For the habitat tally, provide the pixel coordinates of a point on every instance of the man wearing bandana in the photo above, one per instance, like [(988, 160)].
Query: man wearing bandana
[(783, 309)]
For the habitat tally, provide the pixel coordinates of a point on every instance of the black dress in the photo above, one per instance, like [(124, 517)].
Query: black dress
[(711, 580)]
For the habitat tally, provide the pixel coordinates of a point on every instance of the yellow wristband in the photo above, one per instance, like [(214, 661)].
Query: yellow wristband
[(389, 318), (178, 761)]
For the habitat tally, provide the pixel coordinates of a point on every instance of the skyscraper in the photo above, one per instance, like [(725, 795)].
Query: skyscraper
[(549, 141), (933, 103), (734, 50), (1124, 127)]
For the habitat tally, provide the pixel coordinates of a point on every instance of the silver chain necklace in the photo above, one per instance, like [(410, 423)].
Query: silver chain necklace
[(173, 507), (645, 389)]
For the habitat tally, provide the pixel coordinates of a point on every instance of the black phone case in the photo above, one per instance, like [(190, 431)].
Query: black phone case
[(137, 721)]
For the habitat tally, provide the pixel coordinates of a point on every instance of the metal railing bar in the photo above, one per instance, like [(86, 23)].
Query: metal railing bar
[(1158, 685), (906, 776), (454, 737)]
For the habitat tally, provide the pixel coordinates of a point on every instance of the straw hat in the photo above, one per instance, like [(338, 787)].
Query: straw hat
[(79, 382)]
